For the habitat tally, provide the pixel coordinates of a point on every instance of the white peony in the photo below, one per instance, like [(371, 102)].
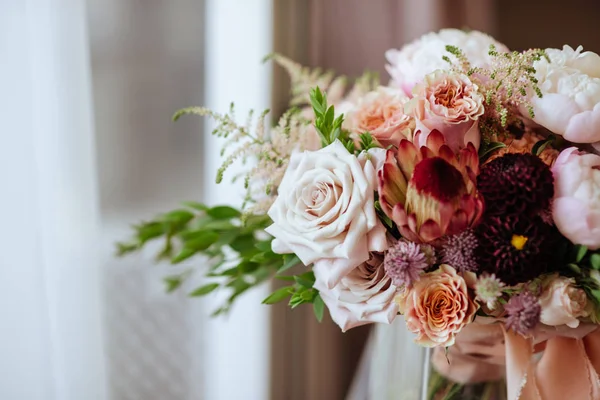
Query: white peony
[(570, 85), (363, 296), (410, 64), (325, 211)]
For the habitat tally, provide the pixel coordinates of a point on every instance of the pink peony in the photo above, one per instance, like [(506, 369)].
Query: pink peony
[(450, 103), (576, 206), (381, 113), (437, 307), (563, 303), (365, 295), (570, 84)]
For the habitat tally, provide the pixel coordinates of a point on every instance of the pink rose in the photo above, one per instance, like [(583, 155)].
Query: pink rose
[(563, 303), (437, 307), (381, 113), (570, 84), (448, 102), (576, 206), (364, 296)]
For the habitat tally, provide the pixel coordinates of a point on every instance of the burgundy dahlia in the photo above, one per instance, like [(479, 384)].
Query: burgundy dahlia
[(516, 184), (523, 312), (516, 249)]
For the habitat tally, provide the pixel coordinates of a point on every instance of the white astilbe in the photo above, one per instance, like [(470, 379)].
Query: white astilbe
[(270, 150)]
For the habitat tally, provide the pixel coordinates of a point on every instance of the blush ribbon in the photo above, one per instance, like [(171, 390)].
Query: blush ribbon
[(556, 363)]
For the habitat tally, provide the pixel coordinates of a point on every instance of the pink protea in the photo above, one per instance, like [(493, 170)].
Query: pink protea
[(430, 192)]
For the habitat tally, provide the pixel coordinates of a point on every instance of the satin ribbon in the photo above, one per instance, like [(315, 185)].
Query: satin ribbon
[(556, 363)]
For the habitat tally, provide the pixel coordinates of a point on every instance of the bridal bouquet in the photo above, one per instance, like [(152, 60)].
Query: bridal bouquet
[(463, 195)]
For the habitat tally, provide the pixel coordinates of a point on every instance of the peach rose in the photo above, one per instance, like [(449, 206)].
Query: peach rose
[(563, 303), (381, 113), (450, 103), (437, 307)]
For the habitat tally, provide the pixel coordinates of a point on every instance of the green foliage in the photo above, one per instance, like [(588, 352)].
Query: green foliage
[(299, 292), (583, 264), (328, 127), (487, 148), (235, 255), (367, 142), (541, 145)]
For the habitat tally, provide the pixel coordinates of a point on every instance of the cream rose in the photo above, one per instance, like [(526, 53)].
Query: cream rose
[(450, 103), (570, 85), (423, 56), (563, 303), (381, 113), (437, 307), (325, 211), (364, 296)]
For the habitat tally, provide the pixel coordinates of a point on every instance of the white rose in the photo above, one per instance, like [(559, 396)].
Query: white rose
[(364, 296), (570, 85), (563, 303), (410, 64), (325, 211)]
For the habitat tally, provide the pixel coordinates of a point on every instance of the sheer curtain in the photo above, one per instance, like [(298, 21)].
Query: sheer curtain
[(51, 337), (86, 148)]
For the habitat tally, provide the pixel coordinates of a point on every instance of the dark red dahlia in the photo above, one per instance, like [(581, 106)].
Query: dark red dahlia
[(516, 184), (516, 249)]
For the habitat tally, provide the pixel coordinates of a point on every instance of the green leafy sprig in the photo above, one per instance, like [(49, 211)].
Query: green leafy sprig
[(328, 127), (235, 255), (301, 291)]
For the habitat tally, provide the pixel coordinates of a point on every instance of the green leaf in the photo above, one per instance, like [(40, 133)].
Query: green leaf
[(539, 147), (595, 294), (318, 307), (302, 281), (202, 240), (484, 151), (575, 268), (580, 252), (195, 205), (223, 212), (595, 261), (172, 282), (219, 225), (177, 216), (279, 295), (289, 261), (126, 248), (183, 255), (244, 244), (149, 231), (204, 290), (264, 246)]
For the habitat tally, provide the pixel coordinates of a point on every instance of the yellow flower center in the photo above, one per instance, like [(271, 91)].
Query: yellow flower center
[(518, 241)]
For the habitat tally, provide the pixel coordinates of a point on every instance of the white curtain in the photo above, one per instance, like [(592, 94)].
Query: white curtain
[(51, 332), (86, 148)]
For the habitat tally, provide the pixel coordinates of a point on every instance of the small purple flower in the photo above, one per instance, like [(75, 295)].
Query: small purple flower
[(523, 311), (459, 251), (405, 261)]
